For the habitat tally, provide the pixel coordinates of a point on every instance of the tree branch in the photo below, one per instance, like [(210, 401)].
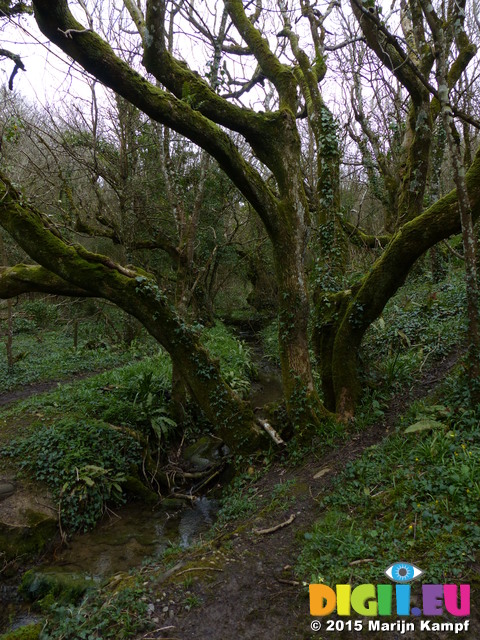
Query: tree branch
[(4, 53), (27, 278), (98, 58), (279, 74)]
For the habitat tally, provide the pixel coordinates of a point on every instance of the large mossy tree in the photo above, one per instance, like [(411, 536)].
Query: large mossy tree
[(261, 152)]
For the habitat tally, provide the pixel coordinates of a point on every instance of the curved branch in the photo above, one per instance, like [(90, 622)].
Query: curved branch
[(137, 293), (360, 238), (279, 74), (98, 58), (28, 278), (4, 53)]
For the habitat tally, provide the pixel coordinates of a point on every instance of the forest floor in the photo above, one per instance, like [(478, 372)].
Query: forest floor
[(242, 585)]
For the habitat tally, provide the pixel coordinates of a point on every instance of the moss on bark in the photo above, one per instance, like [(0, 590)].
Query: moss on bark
[(140, 296), (384, 278)]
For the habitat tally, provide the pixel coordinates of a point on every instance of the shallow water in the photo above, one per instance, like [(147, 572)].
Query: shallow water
[(125, 540), (119, 543)]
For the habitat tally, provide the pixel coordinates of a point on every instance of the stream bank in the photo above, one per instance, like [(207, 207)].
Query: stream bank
[(121, 542), (131, 535)]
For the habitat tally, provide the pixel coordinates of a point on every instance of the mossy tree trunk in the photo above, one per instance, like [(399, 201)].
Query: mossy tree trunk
[(71, 269), (276, 191), (191, 107), (342, 319), (9, 337)]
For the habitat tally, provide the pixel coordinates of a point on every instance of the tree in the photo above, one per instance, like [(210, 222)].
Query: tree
[(268, 171)]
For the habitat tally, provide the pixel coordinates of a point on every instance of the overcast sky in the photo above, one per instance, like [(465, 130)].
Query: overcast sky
[(49, 74)]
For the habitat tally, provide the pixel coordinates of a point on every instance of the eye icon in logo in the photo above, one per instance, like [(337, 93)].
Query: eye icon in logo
[(403, 572)]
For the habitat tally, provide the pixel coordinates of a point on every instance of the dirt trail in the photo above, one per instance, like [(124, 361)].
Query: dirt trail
[(35, 388), (250, 592)]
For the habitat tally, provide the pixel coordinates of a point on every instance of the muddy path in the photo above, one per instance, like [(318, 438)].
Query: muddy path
[(251, 591), (36, 388)]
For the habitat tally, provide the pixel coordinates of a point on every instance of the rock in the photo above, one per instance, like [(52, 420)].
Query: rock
[(6, 489), (136, 489), (28, 521), (204, 453), (65, 588)]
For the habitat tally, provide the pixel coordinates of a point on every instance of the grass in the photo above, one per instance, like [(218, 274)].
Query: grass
[(413, 497), (76, 438), (51, 356), (424, 322)]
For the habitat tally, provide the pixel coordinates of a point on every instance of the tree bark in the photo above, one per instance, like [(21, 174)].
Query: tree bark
[(357, 309), (136, 293)]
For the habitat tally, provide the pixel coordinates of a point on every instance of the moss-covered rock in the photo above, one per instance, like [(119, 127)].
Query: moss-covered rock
[(135, 488), (28, 535), (203, 453), (42, 587), (28, 632)]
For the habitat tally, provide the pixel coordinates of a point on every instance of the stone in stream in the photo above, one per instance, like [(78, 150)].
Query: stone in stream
[(28, 520), (205, 452), (6, 489)]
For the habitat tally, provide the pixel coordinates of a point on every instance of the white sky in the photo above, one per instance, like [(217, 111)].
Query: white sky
[(49, 74)]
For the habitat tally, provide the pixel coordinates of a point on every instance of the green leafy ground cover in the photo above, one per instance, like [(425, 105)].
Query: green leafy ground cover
[(50, 355), (81, 440), (414, 497)]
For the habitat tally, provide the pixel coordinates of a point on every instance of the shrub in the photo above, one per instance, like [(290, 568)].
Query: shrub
[(84, 462)]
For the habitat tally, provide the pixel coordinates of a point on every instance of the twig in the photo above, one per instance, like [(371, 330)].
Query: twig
[(262, 532), (360, 561), (293, 583), (453, 251), (157, 631), (183, 496), (68, 32), (198, 569)]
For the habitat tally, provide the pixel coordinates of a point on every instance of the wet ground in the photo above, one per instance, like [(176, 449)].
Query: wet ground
[(122, 541), (254, 594)]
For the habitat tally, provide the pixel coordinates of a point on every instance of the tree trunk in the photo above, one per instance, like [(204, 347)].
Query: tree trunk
[(141, 297), (341, 322), (303, 404), (9, 338)]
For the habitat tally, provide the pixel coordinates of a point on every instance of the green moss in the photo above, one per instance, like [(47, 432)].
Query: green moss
[(27, 541), (44, 588), (29, 632), (136, 489)]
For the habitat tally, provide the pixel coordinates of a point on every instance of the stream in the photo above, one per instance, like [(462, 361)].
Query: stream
[(122, 541), (135, 533)]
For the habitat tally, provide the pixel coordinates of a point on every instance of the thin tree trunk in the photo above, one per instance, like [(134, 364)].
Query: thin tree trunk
[(9, 338)]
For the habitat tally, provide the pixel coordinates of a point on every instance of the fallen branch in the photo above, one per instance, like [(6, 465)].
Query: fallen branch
[(360, 561), (293, 583), (262, 532), (183, 496), (270, 430)]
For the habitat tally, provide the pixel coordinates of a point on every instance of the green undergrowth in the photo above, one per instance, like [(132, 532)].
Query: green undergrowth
[(50, 355), (234, 355), (121, 395), (422, 323), (83, 462), (243, 497), (83, 438), (414, 497), (269, 337), (118, 613)]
